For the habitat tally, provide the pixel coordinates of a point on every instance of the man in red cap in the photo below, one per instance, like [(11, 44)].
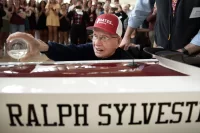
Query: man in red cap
[(107, 32)]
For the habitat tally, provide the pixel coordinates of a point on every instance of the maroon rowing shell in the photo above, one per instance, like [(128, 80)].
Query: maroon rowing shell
[(87, 70)]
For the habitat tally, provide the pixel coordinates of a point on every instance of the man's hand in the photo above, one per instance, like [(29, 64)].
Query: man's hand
[(130, 45), (191, 48), (180, 50), (125, 43), (33, 44), (154, 11)]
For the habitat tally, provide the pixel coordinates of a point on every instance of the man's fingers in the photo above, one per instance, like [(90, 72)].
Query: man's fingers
[(16, 36), (126, 47), (28, 56)]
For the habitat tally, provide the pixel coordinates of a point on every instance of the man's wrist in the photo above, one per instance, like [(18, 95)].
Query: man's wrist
[(43, 47), (184, 51)]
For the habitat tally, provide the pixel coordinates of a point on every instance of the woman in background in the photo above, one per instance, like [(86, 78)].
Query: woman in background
[(2, 14), (89, 4), (41, 23), (64, 25), (85, 5), (17, 20), (92, 15), (24, 5), (32, 18), (4, 30), (122, 16), (106, 8), (99, 9), (52, 22)]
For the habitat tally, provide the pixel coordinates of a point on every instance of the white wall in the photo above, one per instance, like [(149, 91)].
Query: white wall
[(127, 1), (132, 2)]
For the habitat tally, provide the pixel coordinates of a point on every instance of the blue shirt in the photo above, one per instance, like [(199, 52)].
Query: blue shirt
[(140, 13)]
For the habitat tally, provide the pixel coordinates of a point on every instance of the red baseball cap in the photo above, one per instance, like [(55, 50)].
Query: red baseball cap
[(109, 23)]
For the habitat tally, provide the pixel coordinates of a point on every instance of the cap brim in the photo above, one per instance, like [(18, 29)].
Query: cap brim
[(106, 30)]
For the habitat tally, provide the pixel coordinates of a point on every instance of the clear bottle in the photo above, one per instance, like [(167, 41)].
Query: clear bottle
[(17, 48)]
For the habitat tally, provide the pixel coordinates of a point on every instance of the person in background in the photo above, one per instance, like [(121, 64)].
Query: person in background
[(67, 6), (89, 4), (106, 8), (64, 25), (24, 5), (99, 9), (126, 10), (41, 23), (176, 26), (17, 20), (73, 4), (105, 46), (129, 6), (85, 5), (32, 17), (52, 22), (60, 2), (78, 19), (2, 14), (108, 2), (116, 3), (122, 15), (92, 15), (94, 2), (112, 10), (4, 23), (9, 13), (152, 20)]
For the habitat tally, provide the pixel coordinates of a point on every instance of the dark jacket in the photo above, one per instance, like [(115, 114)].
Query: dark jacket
[(123, 16), (58, 52), (2, 14), (152, 20), (92, 17), (175, 32)]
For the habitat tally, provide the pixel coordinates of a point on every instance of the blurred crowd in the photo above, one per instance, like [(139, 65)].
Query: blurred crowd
[(55, 20)]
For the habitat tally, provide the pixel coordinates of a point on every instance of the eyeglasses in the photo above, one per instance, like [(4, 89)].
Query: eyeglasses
[(101, 38)]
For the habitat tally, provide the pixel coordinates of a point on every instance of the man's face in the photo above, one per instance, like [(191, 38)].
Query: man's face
[(104, 44)]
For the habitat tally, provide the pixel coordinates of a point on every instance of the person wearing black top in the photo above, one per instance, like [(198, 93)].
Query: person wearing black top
[(2, 14), (122, 15), (79, 20), (41, 23), (107, 32), (177, 24), (64, 25)]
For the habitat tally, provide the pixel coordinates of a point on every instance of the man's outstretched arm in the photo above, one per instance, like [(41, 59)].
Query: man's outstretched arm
[(138, 15)]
